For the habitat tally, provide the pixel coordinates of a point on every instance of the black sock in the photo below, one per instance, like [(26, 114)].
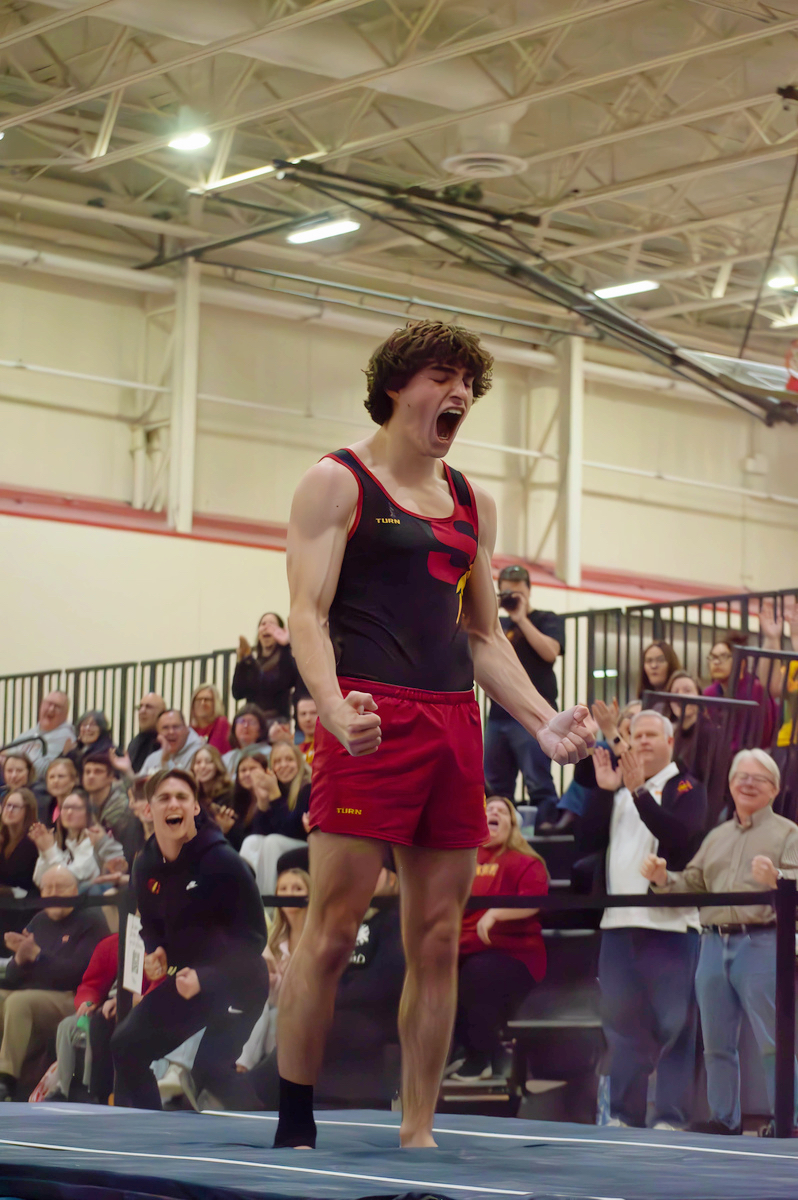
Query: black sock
[(296, 1126)]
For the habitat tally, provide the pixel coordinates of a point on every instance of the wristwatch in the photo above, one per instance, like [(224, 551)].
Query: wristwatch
[(639, 790)]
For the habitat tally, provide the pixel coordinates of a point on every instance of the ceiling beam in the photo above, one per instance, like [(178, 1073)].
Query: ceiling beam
[(666, 178), (305, 16), (438, 55), (45, 24), (675, 121), (436, 124)]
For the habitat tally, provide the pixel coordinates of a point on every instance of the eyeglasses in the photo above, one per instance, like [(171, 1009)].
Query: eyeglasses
[(659, 661), (248, 722), (719, 658), (13, 808), (759, 780)]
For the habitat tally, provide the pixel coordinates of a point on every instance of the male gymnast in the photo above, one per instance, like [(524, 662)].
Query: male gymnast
[(393, 615)]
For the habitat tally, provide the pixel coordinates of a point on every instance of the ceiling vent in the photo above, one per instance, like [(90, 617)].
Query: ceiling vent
[(483, 164)]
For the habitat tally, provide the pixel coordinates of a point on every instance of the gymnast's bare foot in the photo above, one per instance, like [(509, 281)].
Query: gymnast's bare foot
[(416, 1140)]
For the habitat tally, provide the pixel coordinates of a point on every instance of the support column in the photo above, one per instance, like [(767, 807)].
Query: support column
[(569, 502), (183, 441)]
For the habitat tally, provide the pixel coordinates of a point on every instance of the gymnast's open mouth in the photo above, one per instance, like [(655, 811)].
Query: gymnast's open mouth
[(447, 423)]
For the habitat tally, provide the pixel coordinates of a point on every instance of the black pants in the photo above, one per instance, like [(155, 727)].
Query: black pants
[(162, 1021), (101, 1081), (491, 986)]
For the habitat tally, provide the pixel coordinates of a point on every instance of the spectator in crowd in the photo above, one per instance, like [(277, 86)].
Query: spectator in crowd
[(250, 734), (266, 675), (501, 949), (50, 957), (139, 827), (277, 821), (697, 745), (306, 717), (71, 842), (107, 794), (746, 687), (358, 1061), (254, 785), (94, 737), (648, 956), (614, 724), (660, 660), (538, 638), (207, 954), (18, 771), (146, 741), (782, 683), (285, 932), (52, 727), (178, 744), (737, 967), (97, 984), (280, 731), (215, 785), (206, 717), (18, 854), (61, 779)]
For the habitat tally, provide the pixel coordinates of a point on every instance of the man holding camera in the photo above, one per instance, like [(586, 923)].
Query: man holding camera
[(537, 638)]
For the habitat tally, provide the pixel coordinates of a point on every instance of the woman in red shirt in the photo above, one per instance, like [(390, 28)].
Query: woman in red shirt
[(501, 949)]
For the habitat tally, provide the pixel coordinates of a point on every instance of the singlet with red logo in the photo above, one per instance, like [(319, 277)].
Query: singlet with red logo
[(396, 615)]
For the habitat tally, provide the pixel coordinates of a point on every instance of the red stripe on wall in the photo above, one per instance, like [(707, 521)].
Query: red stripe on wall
[(43, 505)]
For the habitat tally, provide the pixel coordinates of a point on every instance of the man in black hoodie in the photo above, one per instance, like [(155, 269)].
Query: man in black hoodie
[(204, 932)]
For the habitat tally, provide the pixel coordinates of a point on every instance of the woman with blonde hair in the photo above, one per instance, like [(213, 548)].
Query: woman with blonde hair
[(284, 934), (214, 784), (207, 717), (279, 822), (501, 949)]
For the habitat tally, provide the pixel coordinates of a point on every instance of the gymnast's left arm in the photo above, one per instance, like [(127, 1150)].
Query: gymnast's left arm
[(497, 668)]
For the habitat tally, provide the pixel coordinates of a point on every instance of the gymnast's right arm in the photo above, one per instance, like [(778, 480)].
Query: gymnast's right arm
[(322, 512)]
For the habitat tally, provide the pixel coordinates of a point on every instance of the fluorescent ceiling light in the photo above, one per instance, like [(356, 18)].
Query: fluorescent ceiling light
[(196, 139), (316, 232), (241, 177), (781, 281), (626, 289), (2, 135)]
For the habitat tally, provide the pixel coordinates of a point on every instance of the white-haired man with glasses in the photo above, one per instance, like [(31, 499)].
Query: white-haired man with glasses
[(737, 964), (644, 803)]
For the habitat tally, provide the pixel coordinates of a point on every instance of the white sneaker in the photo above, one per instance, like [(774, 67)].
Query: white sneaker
[(170, 1084), (616, 1123), (472, 1077), (666, 1125)]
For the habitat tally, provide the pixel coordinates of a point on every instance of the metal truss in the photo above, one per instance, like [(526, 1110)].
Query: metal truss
[(499, 244)]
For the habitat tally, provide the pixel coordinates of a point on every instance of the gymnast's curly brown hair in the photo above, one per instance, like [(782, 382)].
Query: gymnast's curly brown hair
[(421, 344)]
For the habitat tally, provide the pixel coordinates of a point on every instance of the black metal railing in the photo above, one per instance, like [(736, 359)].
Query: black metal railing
[(604, 647), (602, 658), (783, 899)]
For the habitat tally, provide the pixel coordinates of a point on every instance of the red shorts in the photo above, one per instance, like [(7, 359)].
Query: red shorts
[(424, 786)]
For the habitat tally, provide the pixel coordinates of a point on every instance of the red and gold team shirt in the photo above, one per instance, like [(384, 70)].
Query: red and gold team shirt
[(511, 874)]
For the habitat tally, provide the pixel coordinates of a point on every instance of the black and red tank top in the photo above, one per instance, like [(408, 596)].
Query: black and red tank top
[(396, 616)]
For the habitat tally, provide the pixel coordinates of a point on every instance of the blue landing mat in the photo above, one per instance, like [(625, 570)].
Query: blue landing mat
[(80, 1152)]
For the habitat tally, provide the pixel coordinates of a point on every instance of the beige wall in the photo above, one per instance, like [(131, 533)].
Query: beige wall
[(83, 594)]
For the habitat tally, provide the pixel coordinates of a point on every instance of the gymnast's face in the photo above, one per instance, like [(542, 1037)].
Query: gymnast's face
[(431, 407)]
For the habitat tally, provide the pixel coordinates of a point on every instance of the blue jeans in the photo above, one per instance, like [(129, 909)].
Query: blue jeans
[(510, 749), (736, 974), (649, 1018)]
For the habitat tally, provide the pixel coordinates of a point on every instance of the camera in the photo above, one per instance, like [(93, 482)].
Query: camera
[(509, 600)]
